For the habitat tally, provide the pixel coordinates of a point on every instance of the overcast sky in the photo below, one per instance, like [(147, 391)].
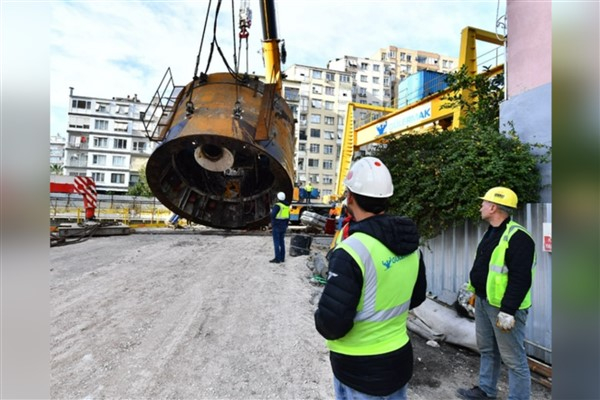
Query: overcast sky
[(118, 48)]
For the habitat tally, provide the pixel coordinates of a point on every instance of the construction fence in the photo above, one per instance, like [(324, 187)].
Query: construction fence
[(118, 208)]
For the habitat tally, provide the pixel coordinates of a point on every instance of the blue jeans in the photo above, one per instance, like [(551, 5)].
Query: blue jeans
[(496, 346), (343, 392), (279, 244)]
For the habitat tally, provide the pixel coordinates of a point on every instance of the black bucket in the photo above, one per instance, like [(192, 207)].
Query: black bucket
[(300, 245)]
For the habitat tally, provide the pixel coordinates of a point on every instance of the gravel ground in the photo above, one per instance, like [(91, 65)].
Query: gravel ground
[(197, 316)]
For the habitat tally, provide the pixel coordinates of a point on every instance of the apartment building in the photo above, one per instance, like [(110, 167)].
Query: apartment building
[(57, 149), (407, 61), (319, 98), (106, 140)]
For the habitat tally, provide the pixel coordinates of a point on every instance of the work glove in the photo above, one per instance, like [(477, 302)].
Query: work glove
[(505, 321)]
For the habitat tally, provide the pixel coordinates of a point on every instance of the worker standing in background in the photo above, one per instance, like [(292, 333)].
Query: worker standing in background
[(375, 276), (501, 279), (309, 189), (280, 217)]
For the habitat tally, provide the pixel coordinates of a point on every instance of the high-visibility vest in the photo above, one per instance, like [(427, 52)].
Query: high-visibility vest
[(497, 279), (284, 211), (388, 282)]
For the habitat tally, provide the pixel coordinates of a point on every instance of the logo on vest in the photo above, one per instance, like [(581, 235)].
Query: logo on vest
[(391, 261)]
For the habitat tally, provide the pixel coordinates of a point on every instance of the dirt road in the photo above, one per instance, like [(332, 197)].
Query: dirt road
[(202, 317)]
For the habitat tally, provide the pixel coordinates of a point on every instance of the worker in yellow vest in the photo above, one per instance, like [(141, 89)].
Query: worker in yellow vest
[(309, 189), (376, 275), (501, 279), (280, 218)]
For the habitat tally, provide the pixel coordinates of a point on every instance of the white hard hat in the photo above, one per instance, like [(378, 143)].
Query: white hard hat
[(281, 196), (370, 177)]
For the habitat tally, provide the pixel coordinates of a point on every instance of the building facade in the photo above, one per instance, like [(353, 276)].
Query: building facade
[(57, 150), (408, 62), (319, 98), (106, 140)]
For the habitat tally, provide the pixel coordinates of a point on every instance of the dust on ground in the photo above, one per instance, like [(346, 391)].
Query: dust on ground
[(197, 316)]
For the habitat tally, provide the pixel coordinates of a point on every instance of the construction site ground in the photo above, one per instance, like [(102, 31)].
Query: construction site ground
[(203, 315)]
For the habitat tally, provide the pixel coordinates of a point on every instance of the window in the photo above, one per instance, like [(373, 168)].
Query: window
[(327, 164), (119, 144), (79, 122), (386, 92), (376, 67), (118, 161), (314, 177), (392, 53), (102, 107), (302, 134), (117, 178), (121, 126), (315, 103), (98, 176), (329, 105), (376, 80), (317, 89), (301, 146), (386, 81), (327, 179), (303, 119), (98, 159), (409, 58), (376, 92), (313, 162), (364, 78), (315, 118), (291, 93), (328, 148), (301, 164), (329, 135), (81, 104), (101, 125), (315, 148), (330, 76), (101, 142), (362, 92), (316, 74), (364, 66), (345, 78), (139, 146), (315, 132), (329, 91), (329, 120), (122, 109)]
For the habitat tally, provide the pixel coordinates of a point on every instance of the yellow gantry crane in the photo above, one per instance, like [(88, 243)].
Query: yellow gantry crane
[(424, 113)]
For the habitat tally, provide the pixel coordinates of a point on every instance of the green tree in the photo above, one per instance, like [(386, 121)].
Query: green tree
[(56, 169), (438, 176), (141, 188)]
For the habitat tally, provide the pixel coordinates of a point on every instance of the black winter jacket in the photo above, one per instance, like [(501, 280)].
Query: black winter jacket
[(382, 374), (519, 260)]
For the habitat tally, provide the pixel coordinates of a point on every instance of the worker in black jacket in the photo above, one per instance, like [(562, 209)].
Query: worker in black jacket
[(501, 279), (375, 276)]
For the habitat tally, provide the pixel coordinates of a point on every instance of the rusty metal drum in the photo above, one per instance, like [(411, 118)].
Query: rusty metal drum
[(226, 150)]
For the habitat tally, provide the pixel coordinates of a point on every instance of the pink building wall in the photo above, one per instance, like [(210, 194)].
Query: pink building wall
[(529, 50)]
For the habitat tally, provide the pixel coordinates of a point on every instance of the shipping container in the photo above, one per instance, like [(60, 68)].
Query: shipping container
[(420, 85)]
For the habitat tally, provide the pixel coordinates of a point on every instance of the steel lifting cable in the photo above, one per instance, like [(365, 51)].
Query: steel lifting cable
[(190, 104)]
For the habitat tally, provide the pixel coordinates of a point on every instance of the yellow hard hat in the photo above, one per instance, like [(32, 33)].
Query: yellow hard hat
[(501, 195)]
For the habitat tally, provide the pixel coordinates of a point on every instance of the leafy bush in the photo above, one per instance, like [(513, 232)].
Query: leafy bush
[(438, 176)]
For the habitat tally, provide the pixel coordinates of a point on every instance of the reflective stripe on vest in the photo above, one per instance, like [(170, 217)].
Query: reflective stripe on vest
[(284, 211), (497, 279), (380, 321)]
